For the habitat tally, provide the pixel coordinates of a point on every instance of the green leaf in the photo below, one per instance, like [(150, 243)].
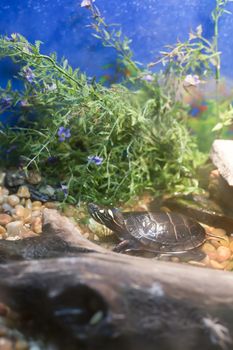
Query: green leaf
[(227, 12), (218, 127)]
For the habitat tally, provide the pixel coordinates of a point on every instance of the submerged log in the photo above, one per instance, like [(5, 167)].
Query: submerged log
[(98, 299)]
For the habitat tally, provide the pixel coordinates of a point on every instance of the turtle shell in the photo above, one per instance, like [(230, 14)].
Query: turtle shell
[(164, 232)]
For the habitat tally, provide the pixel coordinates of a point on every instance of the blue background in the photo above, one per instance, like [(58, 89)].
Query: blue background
[(151, 24)]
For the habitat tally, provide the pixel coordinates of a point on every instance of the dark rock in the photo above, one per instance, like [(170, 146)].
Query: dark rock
[(14, 178), (37, 195)]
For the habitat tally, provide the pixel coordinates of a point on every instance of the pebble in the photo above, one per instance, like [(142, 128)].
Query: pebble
[(231, 246), (14, 178), (36, 205), (4, 191), (218, 232), (3, 331), (33, 177), (36, 225), (86, 235), (13, 200), (6, 344), (16, 229), (3, 198), (28, 204), (23, 201), (36, 213), (216, 265), (23, 192), (220, 242), (223, 253), (69, 211), (5, 219), (23, 214), (208, 247), (21, 345), (51, 205), (47, 190), (2, 230), (229, 266), (7, 208)]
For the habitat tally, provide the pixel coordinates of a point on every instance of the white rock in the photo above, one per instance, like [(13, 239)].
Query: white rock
[(13, 200), (7, 208), (15, 229), (23, 192), (222, 157)]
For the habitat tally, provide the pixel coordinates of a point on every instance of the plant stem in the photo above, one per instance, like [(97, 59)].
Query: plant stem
[(216, 33), (55, 65)]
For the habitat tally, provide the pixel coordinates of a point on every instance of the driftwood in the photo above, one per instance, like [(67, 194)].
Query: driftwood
[(97, 299)]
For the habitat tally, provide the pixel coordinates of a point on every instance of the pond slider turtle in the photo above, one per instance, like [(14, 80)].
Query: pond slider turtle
[(157, 232)]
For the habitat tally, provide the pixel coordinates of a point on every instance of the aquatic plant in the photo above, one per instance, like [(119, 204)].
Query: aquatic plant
[(109, 143), (105, 144), (198, 56)]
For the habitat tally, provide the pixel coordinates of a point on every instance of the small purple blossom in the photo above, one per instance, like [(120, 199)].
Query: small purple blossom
[(148, 77), (95, 160), (52, 160), (191, 80), (13, 37), (87, 3), (5, 102), (8, 39), (24, 103), (29, 75), (65, 189), (50, 87), (63, 133), (11, 148)]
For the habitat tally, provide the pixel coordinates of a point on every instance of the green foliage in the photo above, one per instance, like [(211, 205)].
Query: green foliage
[(201, 57), (140, 135), (110, 144)]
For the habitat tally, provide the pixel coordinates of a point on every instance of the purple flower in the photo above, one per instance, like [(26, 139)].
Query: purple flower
[(95, 159), (24, 103), (11, 148), (50, 87), (29, 75), (13, 37), (87, 3), (52, 160), (191, 80), (63, 133), (65, 189), (148, 77), (5, 102)]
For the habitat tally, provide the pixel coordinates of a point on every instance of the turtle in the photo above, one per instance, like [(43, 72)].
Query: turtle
[(161, 233)]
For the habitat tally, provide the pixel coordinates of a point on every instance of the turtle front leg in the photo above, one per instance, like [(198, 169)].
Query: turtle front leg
[(131, 247), (122, 246)]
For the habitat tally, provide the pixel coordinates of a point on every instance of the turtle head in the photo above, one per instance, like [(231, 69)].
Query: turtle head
[(110, 217)]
